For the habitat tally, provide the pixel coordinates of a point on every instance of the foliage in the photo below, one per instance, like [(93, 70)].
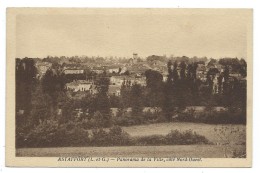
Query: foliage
[(154, 82), (211, 116), (156, 58), (25, 81), (185, 138), (51, 134), (151, 140), (136, 99), (175, 137)]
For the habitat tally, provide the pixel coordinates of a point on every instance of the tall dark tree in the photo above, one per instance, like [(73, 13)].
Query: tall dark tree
[(52, 84), (125, 93), (183, 70), (25, 81), (102, 103), (243, 68), (154, 83), (136, 99), (41, 103), (169, 103)]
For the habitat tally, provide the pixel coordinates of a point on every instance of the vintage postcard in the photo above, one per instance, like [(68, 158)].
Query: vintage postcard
[(100, 87)]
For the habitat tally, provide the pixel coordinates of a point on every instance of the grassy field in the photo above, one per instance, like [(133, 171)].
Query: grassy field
[(237, 142)]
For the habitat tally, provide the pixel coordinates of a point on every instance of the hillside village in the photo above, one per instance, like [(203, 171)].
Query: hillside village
[(87, 93), (133, 71)]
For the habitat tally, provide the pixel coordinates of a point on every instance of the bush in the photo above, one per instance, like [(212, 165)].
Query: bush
[(128, 120), (175, 137), (50, 134), (42, 135), (211, 116), (148, 117), (223, 117), (119, 137), (151, 140), (114, 137), (99, 138)]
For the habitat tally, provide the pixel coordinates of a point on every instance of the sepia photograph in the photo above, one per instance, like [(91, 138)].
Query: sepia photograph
[(113, 87)]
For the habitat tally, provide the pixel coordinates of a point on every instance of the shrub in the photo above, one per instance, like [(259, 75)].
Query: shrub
[(42, 135), (76, 137), (119, 137), (99, 137), (151, 140), (175, 137), (114, 137), (50, 134), (128, 120), (211, 116), (148, 117)]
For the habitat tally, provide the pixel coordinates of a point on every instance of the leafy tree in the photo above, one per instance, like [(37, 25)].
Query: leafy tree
[(25, 80), (102, 83), (53, 83), (183, 69), (136, 99), (41, 103), (154, 83), (101, 102), (156, 58), (169, 103), (243, 68), (125, 93)]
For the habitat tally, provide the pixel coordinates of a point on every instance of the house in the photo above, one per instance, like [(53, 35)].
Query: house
[(114, 90), (123, 70), (114, 69), (80, 85), (73, 71), (196, 110), (236, 75), (117, 80), (138, 68), (98, 70)]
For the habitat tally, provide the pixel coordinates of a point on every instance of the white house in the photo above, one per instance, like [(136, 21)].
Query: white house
[(79, 85), (73, 71)]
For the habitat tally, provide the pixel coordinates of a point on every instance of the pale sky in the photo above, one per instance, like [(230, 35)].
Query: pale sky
[(103, 34)]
